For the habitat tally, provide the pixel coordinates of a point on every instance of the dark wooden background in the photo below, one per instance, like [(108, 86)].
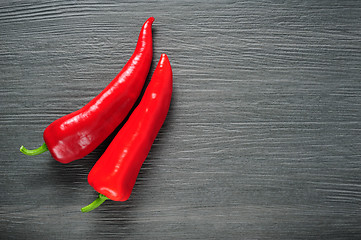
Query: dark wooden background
[(262, 141)]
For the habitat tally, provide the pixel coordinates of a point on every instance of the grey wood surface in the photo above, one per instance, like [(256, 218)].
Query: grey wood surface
[(262, 141)]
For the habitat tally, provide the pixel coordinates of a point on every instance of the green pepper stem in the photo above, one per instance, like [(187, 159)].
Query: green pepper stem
[(40, 150), (97, 202)]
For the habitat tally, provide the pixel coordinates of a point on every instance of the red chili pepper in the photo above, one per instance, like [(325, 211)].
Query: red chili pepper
[(115, 173), (77, 134)]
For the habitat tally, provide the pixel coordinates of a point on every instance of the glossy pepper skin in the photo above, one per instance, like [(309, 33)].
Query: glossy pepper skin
[(77, 134), (115, 173)]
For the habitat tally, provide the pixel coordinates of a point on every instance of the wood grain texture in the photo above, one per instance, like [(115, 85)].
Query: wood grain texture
[(262, 141)]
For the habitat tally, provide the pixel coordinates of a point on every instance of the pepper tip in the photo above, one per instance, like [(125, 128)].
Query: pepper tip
[(151, 20), (163, 59)]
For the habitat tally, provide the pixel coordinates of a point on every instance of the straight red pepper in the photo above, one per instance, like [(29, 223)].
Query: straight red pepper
[(77, 134), (115, 173)]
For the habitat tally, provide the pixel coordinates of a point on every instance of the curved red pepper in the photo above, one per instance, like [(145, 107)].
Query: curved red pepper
[(115, 173), (77, 134)]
